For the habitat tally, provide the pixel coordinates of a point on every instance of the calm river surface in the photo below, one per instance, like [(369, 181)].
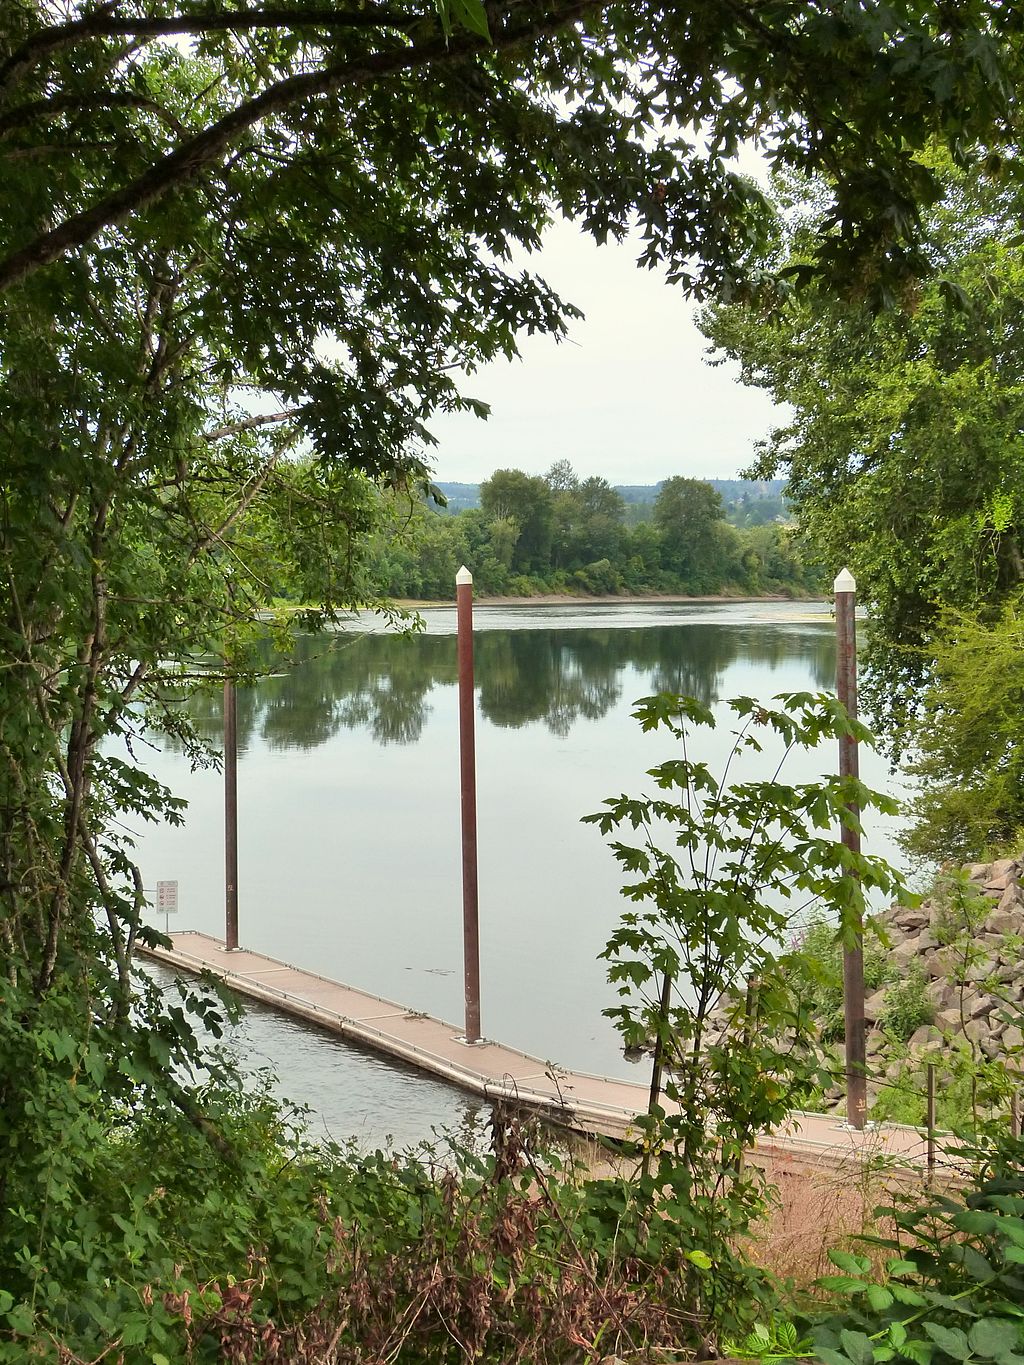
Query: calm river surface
[(349, 848)]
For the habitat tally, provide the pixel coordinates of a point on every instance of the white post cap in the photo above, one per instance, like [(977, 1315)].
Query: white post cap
[(845, 582), (463, 576)]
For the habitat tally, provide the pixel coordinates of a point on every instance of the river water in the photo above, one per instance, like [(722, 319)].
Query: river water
[(349, 844)]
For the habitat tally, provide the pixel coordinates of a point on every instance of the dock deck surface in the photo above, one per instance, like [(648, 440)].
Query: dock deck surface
[(588, 1103)]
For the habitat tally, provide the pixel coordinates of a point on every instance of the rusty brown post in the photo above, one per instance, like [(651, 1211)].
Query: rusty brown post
[(230, 816), (467, 749), (845, 588)]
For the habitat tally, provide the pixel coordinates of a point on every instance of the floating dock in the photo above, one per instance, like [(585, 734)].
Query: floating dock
[(587, 1103)]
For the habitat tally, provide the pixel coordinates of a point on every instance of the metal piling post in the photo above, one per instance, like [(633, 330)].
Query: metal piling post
[(467, 749), (230, 816), (845, 588)]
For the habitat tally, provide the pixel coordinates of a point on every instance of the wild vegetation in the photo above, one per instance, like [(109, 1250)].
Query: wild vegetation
[(744, 854), (232, 235), (270, 1248), (903, 461), (949, 1289), (943, 985), (159, 1233)]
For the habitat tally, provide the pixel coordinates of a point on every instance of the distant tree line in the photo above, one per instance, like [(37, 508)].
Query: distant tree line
[(746, 502), (560, 533)]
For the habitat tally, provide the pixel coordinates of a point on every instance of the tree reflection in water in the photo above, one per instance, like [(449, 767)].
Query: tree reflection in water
[(558, 677)]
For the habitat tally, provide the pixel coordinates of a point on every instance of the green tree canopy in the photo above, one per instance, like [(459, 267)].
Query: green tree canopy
[(903, 450), (587, 520), (523, 500), (561, 477), (496, 113), (968, 737), (687, 513), (905, 462)]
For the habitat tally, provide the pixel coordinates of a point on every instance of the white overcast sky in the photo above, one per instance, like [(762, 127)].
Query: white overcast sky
[(629, 395)]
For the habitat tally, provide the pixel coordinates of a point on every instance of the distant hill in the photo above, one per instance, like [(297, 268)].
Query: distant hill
[(461, 495), (464, 495), (734, 490)]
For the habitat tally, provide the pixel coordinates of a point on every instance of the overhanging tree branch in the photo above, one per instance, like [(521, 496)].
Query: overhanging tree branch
[(249, 424), (207, 147), (64, 104), (104, 25)]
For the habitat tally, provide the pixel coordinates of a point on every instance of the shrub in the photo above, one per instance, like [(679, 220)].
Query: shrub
[(954, 1285), (961, 907), (907, 1006), (818, 961), (704, 915), (951, 1288), (296, 1253), (599, 577)]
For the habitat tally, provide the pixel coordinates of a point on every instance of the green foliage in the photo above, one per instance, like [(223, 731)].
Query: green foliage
[(522, 111), (953, 1287), (969, 760), (709, 915), (903, 460), (686, 513), (972, 1093), (78, 1217), (961, 907), (166, 1249), (907, 1005), (771, 1342), (523, 502), (817, 967), (562, 534)]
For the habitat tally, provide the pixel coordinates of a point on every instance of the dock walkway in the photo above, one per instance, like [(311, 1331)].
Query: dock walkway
[(587, 1103)]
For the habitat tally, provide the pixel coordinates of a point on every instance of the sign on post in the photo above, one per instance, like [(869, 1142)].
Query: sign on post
[(167, 899)]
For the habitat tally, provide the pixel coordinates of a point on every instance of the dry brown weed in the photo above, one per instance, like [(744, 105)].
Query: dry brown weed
[(820, 1206)]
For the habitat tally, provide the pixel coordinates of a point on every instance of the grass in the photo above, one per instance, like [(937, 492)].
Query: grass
[(819, 1208)]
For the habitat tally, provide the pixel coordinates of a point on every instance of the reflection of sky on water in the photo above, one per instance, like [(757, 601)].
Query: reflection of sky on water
[(349, 804), (440, 620)]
